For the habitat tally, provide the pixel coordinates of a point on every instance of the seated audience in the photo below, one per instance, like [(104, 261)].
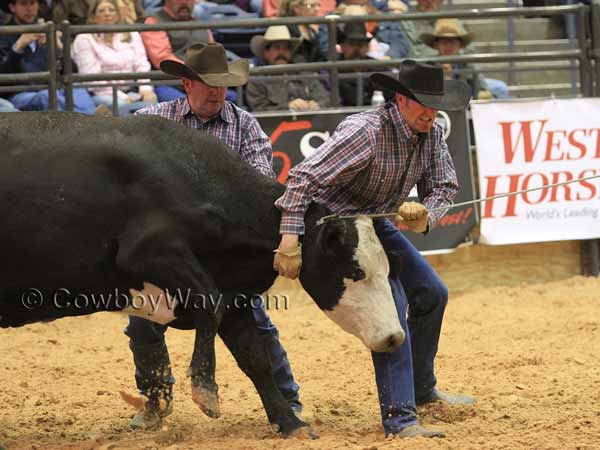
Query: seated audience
[(277, 92), (113, 53), (412, 30), (395, 34), (450, 38), (271, 7), (161, 45), (314, 37), (28, 52), (78, 11), (354, 44)]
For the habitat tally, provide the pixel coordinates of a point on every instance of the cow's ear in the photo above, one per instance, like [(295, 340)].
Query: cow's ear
[(332, 237)]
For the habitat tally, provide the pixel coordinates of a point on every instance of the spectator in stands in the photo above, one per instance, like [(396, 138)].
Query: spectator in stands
[(314, 37), (396, 34), (410, 30), (113, 53), (449, 38), (161, 45), (354, 44), (78, 11), (250, 6), (271, 7), (28, 52), (274, 93)]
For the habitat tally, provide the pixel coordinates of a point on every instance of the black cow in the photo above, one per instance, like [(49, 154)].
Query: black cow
[(92, 208)]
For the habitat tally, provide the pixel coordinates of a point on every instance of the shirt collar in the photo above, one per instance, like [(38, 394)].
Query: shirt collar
[(225, 115)]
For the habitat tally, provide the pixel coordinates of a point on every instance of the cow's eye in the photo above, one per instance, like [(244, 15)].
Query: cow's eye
[(358, 274)]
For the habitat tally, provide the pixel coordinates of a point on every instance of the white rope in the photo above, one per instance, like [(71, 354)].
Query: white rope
[(457, 205)]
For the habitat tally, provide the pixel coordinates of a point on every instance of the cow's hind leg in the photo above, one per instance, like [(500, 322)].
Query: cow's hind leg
[(250, 347), (158, 256)]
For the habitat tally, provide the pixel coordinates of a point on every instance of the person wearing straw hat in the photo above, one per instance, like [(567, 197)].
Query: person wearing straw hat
[(369, 165), (206, 75), (450, 38), (279, 92)]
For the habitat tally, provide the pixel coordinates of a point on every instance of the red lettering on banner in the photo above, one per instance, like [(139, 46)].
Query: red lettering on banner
[(586, 184), (286, 165), (522, 182), (525, 131), (491, 191), (550, 144), (577, 144), (457, 218), (286, 127), (556, 178), (542, 192), (597, 130)]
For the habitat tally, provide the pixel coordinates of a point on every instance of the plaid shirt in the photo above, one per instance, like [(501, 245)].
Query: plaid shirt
[(234, 126), (359, 168)]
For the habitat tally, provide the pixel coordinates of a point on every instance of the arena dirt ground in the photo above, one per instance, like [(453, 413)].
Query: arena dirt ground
[(519, 334)]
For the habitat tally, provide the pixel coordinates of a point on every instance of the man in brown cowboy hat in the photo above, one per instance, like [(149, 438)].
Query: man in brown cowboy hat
[(276, 47), (449, 38), (205, 75), (369, 165)]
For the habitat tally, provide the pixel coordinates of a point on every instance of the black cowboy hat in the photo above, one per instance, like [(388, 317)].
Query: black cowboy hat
[(353, 31), (425, 84)]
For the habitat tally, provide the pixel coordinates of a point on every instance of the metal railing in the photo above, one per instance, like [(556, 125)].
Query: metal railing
[(583, 53)]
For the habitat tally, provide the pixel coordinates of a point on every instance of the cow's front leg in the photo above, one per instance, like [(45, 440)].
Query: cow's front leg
[(250, 349), (202, 372)]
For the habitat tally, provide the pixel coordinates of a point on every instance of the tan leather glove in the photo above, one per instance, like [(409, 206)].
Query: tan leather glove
[(288, 262), (414, 215)]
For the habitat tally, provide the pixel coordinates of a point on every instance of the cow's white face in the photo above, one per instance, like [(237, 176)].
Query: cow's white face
[(366, 308)]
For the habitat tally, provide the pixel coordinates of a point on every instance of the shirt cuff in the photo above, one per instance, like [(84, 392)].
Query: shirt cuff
[(291, 224)]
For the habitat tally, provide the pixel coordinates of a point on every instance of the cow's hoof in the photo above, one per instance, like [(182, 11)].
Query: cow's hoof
[(305, 432), (208, 401)]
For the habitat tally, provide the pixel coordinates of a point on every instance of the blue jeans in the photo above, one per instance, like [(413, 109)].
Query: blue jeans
[(407, 375), (38, 101), (153, 368)]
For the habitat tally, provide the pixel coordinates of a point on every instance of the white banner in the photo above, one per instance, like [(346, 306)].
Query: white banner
[(523, 145)]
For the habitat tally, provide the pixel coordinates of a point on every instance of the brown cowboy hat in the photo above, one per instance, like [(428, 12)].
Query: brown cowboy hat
[(425, 84), (208, 63), (274, 33), (447, 28)]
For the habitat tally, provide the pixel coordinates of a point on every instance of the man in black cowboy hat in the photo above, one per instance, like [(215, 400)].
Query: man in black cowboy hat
[(354, 43), (276, 47), (369, 165), (206, 76)]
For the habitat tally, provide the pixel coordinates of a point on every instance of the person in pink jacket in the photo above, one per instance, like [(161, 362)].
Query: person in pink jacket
[(110, 53)]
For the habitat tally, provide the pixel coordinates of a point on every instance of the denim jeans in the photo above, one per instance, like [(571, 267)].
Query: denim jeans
[(153, 374), (39, 101), (407, 374)]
